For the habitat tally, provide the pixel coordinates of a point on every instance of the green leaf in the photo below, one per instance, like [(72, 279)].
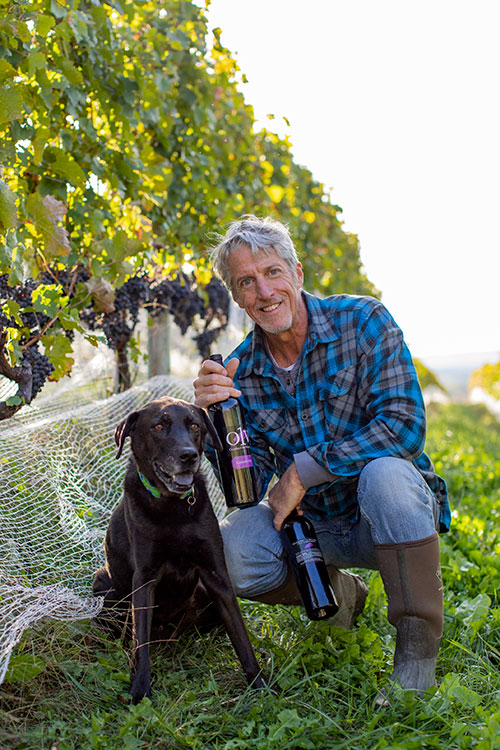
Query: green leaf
[(451, 687), (474, 612), (36, 61), (11, 103), (59, 8), (49, 299), (8, 212), (46, 213), (58, 349), (6, 71), (63, 164), (24, 32), (44, 25), (24, 667), (12, 308)]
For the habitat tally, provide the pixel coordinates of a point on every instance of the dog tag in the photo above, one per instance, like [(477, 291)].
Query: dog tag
[(191, 501)]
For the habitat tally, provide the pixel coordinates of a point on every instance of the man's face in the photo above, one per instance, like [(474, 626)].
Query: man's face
[(265, 286)]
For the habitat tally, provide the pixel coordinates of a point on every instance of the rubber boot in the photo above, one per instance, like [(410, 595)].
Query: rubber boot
[(411, 574), (350, 591)]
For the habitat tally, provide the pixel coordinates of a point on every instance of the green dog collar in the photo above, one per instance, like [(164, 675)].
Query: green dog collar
[(155, 492)]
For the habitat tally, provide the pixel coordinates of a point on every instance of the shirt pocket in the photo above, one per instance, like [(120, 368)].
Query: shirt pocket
[(338, 398), (270, 424), (268, 419)]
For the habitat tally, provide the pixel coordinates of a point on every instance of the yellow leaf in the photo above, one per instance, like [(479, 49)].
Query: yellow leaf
[(308, 216), (267, 167), (275, 192)]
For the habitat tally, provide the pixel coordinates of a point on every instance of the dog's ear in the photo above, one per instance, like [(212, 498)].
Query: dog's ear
[(125, 429), (210, 429)]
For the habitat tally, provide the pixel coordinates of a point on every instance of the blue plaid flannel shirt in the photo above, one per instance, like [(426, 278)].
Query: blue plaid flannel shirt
[(357, 398)]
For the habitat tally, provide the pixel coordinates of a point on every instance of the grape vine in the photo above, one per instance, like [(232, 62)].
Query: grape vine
[(202, 308)]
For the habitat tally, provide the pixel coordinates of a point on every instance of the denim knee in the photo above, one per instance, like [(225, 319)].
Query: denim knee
[(396, 501), (254, 553)]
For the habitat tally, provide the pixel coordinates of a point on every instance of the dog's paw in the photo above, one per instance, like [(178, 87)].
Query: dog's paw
[(140, 689)]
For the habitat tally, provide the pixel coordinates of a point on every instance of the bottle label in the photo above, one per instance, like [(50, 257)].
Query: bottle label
[(237, 438), (242, 462), (306, 552)]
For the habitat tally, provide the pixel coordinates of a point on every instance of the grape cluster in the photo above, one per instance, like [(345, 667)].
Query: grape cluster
[(178, 297), (218, 302), (204, 341), (22, 294), (41, 368), (119, 325)]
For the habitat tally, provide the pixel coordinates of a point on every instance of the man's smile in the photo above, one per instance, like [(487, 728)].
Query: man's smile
[(270, 308)]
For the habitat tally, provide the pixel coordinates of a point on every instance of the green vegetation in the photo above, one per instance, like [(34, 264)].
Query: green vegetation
[(125, 143), (487, 378), (67, 686)]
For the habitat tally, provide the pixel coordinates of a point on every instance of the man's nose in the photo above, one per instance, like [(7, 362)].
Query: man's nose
[(263, 289)]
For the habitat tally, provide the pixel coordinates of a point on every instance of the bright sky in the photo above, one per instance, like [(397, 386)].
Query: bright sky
[(394, 104)]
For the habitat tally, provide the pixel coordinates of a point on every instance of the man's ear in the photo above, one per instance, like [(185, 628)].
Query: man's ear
[(300, 274), (125, 429)]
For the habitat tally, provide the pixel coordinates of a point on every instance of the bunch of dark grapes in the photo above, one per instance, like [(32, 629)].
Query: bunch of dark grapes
[(205, 340), (119, 325), (41, 368), (218, 302), (178, 297), (22, 294), (216, 309), (5, 291)]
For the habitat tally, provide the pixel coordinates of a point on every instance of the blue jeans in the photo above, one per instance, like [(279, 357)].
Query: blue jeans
[(395, 506)]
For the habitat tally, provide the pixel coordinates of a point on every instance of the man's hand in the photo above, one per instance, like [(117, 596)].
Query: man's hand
[(215, 383), (286, 495)]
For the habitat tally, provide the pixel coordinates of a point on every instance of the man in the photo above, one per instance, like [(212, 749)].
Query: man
[(334, 410)]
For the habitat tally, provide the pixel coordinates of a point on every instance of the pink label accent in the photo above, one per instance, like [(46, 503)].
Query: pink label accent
[(242, 462)]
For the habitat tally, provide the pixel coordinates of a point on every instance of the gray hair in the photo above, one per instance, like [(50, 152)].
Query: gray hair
[(260, 235)]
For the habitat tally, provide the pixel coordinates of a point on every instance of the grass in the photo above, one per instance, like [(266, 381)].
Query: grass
[(68, 685)]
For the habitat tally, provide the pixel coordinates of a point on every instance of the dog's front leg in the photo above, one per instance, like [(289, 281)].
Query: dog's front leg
[(142, 615), (221, 591)]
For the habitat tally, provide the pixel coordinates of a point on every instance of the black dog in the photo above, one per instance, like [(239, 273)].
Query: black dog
[(164, 553)]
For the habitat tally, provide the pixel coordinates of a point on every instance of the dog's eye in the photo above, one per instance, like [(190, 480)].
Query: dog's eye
[(158, 427), (195, 427)]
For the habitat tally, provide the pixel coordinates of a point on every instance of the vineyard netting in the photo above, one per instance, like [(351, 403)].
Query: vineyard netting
[(59, 484)]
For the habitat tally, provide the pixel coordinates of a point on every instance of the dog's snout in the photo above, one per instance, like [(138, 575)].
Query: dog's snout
[(188, 454)]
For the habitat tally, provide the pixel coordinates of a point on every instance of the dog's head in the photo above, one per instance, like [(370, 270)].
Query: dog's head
[(168, 437)]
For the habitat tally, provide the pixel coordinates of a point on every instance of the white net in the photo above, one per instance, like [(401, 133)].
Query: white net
[(59, 482)]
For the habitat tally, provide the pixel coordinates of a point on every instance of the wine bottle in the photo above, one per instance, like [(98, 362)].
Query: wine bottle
[(308, 566), (235, 460)]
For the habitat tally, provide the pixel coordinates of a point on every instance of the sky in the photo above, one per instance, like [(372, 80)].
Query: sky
[(394, 106)]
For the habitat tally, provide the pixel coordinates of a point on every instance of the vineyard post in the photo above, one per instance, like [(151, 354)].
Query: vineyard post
[(159, 344)]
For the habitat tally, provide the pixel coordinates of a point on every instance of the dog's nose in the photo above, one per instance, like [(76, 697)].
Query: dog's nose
[(188, 454)]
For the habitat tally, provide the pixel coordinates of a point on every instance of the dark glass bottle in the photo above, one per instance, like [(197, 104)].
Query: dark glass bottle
[(235, 460), (309, 568)]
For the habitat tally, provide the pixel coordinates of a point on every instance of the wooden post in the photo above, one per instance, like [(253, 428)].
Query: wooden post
[(159, 340)]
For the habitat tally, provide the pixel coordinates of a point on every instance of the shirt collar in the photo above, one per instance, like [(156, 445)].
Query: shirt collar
[(320, 329)]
